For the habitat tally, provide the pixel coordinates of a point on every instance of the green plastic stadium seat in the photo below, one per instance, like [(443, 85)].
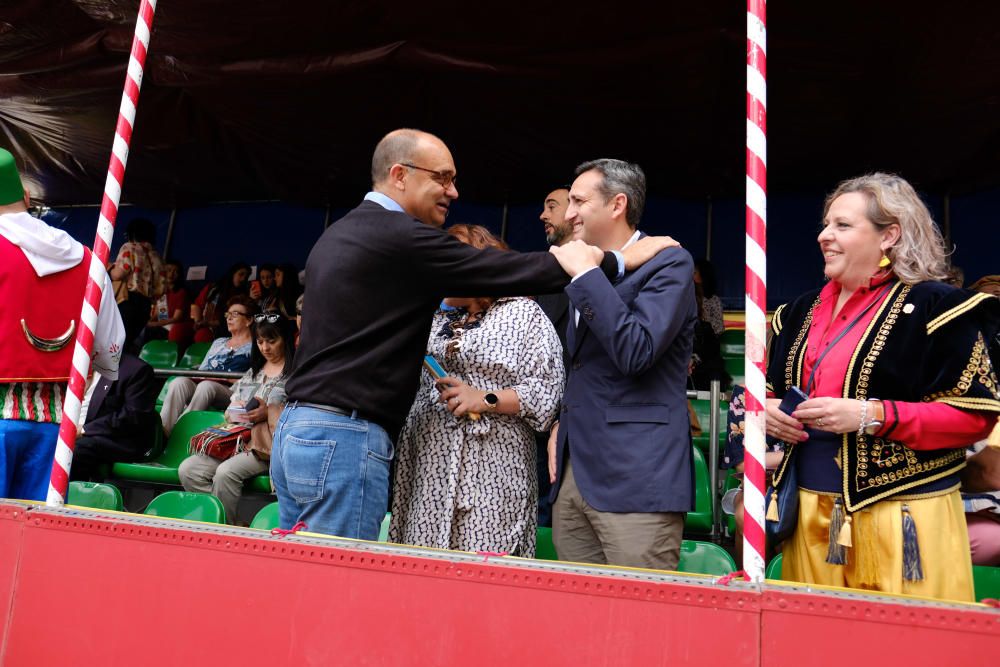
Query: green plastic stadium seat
[(773, 570), (163, 469), (544, 548), (94, 495), (266, 518), (162, 396), (732, 343), (194, 355), (189, 506), (701, 410), (258, 484), (383, 531), (159, 353), (699, 520), (736, 368), (705, 558), (986, 581)]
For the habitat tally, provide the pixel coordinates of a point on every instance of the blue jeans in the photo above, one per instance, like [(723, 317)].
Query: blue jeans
[(26, 453), (330, 472)]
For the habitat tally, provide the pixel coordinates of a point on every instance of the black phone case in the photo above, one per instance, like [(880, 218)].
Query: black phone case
[(792, 398)]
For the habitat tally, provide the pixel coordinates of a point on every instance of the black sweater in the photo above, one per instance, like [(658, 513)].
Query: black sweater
[(374, 280)]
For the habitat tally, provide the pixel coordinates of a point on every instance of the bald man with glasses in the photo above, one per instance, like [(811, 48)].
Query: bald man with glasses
[(376, 277)]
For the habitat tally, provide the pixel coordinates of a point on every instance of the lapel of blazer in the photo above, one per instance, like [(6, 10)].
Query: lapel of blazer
[(97, 398)]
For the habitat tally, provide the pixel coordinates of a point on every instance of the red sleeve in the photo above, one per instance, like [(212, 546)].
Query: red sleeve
[(202, 296), (933, 425)]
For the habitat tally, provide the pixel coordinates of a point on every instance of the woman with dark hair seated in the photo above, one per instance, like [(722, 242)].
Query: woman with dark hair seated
[(263, 290), (286, 280), (205, 311), (227, 354), (140, 267), (261, 388)]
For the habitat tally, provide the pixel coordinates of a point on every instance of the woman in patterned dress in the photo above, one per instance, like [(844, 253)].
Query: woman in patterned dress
[(470, 483)]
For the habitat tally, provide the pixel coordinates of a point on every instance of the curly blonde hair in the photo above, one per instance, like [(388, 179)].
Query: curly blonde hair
[(919, 254)]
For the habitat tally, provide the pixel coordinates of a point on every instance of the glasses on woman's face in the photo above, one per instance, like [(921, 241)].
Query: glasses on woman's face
[(267, 317), (233, 314)]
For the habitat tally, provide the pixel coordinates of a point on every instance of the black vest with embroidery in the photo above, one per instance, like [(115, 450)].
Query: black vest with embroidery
[(926, 342)]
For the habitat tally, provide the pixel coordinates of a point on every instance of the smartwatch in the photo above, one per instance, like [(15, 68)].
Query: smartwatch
[(491, 400)]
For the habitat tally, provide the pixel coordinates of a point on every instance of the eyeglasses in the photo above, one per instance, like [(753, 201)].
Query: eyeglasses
[(443, 178), (267, 317), (232, 314)]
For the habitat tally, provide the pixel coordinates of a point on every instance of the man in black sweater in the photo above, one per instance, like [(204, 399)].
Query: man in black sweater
[(376, 276)]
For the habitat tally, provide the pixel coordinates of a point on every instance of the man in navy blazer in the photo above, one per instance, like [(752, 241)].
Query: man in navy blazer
[(620, 458)]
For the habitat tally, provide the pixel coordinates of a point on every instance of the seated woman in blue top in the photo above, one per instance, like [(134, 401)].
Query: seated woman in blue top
[(230, 355)]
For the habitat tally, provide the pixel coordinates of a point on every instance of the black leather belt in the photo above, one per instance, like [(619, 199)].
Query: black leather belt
[(330, 408)]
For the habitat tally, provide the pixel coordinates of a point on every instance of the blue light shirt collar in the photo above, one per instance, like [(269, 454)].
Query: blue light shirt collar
[(384, 201)]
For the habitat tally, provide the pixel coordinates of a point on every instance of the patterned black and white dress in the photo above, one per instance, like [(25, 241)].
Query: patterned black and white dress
[(472, 485)]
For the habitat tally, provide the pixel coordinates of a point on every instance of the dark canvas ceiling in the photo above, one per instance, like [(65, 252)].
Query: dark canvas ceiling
[(283, 100)]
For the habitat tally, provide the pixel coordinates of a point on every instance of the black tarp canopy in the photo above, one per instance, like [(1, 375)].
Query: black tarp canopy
[(285, 100)]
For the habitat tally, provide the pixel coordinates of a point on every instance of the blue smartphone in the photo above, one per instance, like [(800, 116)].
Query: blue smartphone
[(434, 367), (792, 398)]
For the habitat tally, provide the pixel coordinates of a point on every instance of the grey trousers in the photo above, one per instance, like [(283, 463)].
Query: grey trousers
[(223, 479), (184, 395), (581, 534)]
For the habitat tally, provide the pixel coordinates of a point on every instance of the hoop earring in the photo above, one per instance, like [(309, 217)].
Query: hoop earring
[(884, 262)]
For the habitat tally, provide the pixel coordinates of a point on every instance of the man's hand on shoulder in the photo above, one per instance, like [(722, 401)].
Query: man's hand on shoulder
[(576, 257), (646, 249)]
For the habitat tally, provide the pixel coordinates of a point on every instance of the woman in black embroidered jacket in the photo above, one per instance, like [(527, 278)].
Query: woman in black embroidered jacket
[(898, 371)]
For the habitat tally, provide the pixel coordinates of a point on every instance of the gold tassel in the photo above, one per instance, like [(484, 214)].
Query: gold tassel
[(866, 556), (844, 538), (772, 508), (884, 262)]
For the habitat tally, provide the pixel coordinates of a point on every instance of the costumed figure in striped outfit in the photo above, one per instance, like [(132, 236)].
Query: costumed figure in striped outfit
[(43, 274)]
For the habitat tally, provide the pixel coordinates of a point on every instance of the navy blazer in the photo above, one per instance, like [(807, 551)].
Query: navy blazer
[(625, 413)]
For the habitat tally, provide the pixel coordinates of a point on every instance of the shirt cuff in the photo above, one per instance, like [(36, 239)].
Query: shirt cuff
[(621, 263), (583, 273)]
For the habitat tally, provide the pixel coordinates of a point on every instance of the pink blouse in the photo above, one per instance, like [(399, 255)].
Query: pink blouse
[(918, 425)]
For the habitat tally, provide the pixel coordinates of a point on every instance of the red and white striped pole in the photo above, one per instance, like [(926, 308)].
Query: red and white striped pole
[(59, 481), (756, 289)]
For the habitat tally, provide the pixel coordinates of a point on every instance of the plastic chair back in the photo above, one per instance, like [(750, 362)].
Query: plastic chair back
[(732, 343), (544, 547), (736, 367), (773, 570), (188, 506), (699, 520), (162, 396), (705, 558), (95, 495), (159, 353), (702, 410), (266, 518), (986, 581), (190, 424), (194, 355)]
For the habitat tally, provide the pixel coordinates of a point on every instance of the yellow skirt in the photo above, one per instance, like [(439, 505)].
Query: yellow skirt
[(877, 536)]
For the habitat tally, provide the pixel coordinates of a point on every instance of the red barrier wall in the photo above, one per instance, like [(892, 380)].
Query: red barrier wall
[(123, 590)]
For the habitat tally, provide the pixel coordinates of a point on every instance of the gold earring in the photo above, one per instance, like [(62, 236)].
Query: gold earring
[(884, 262)]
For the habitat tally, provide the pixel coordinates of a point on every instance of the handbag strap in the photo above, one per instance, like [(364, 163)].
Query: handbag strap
[(843, 333)]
